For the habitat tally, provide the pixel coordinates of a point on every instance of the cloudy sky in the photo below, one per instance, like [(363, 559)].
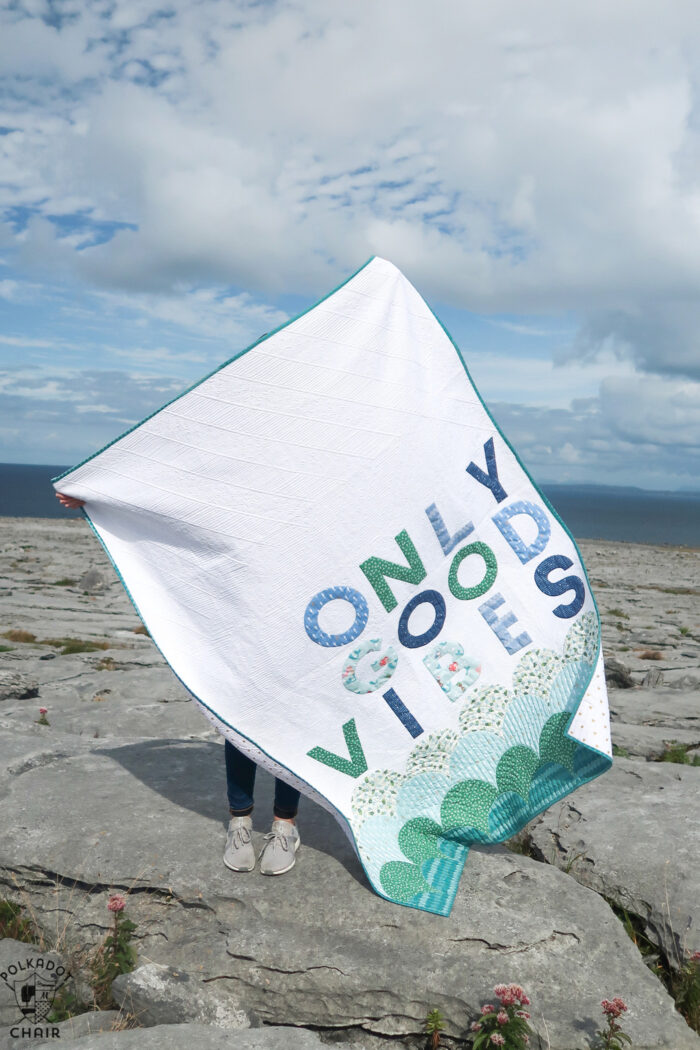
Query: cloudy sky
[(177, 178)]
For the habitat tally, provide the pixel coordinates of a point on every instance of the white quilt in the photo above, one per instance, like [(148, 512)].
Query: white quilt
[(342, 558)]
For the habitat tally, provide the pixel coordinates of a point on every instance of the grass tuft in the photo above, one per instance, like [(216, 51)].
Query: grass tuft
[(18, 635), (14, 924), (69, 646), (65, 581), (678, 753)]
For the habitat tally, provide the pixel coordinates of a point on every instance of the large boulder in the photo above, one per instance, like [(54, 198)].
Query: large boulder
[(195, 1037), (317, 947), (155, 994), (634, 837)]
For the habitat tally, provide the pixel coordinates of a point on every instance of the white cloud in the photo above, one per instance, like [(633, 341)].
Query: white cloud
[(532, 159), (653, 410)]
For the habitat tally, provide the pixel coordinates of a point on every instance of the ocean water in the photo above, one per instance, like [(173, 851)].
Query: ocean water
[(589, 511)]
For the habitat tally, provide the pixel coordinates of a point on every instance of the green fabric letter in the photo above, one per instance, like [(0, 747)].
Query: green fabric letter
[(375, 569), (354, 766)]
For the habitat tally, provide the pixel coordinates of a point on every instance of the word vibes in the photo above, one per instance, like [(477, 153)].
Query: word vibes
[(446, 661)]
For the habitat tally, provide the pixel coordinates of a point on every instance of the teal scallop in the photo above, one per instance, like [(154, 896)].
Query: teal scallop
[(476, 756), (422, 795)]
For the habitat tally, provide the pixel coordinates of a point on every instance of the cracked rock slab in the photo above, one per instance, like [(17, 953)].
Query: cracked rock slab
[(651, 742), (634, 836), (667, 707), (316, 948), (156, 994), (72, 1029), (196, 1037)]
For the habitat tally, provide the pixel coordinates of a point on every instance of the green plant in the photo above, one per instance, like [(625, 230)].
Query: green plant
[(7, 648), (66, 1004), (572, 860), (684, 630), (68, 646), (65, 581), (619, 613), (42, 720), (505, 1025), (620, 752), (117, 954), (612, 1037), (676, 752), (686, 990), (434, 1024), (13, 923), (682, 983)]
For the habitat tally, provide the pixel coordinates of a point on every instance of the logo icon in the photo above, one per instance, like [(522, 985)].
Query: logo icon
[(34, 982)]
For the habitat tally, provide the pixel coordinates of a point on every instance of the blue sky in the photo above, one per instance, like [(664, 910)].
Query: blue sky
[(178, 178)]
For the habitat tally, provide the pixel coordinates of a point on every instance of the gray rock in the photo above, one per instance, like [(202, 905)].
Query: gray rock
[(651, 742), (668, 707), (156, 994), (633, 835), (92, 582), (316, 948), (617, 675), (73, 1028), (199, 1037), (17, 686), (654, 677)]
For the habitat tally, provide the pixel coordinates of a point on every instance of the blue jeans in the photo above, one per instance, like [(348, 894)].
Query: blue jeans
[(240, 782)]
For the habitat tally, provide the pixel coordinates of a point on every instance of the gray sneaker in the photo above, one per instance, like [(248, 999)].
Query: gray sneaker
[(239, 854), (279, 852)]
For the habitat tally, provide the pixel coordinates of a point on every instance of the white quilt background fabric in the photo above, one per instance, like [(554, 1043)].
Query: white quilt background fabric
[(272, 481)]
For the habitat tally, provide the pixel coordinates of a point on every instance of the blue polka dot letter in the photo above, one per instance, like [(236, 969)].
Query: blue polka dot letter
[(343, 559)]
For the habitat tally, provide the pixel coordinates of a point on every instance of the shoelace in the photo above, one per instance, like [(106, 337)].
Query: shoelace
[(278, 834), (240, 836)]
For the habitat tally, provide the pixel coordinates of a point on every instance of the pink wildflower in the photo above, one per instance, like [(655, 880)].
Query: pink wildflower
[(475, 1026), (497, 1039), (695, 957), (500, 990), (116, 903), (487, 1008), (522, 1013), (502, 1017), (43, 710), (615, 1008)]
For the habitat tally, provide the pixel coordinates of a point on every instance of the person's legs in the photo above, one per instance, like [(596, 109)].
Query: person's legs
[(282, 842), (286, 801), (279, 853), (240, 780), (239, 854)]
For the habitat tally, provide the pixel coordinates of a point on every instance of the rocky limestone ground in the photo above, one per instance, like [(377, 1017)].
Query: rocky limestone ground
[(124, 791)]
